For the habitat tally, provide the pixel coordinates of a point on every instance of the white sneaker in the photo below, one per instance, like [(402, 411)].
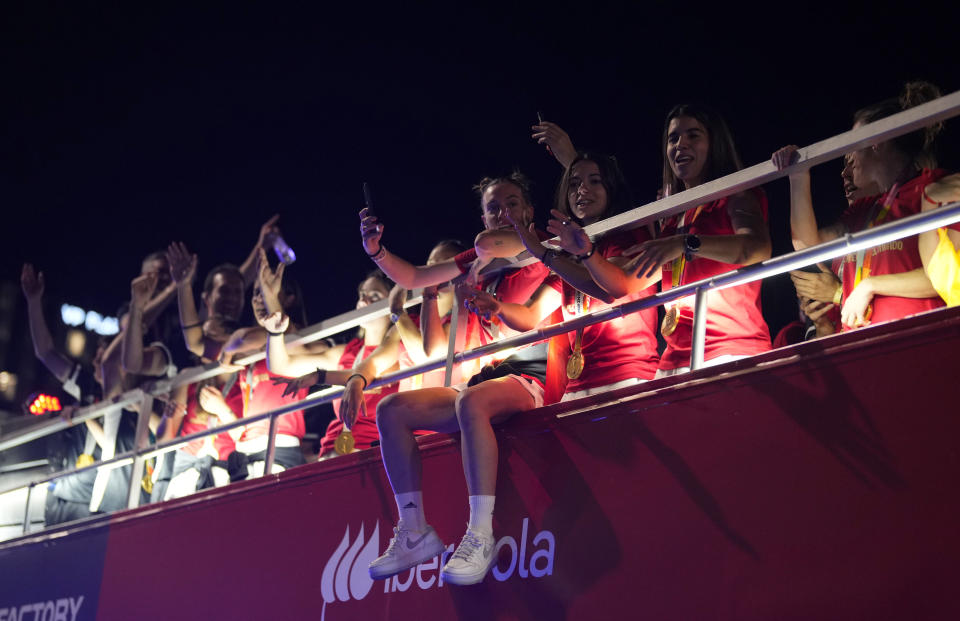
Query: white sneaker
[(472, 559), (407, 549)]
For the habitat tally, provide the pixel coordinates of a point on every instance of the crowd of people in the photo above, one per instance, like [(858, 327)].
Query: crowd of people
[(572, 274)]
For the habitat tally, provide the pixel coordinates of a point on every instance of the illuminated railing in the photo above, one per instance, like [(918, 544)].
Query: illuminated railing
[(873, 133)]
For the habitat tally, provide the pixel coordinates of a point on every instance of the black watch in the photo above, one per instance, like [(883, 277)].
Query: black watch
[(691, 246)]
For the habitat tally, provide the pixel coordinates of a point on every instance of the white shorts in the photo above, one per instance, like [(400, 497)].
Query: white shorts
[(534, 388), (706, 363), (579, 394)]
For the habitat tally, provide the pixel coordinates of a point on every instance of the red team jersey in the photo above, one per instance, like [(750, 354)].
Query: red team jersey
[(894, 257), (365, 428), (621, 348), (735, 323), (260, 394)]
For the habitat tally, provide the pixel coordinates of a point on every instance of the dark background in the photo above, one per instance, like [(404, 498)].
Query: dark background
[(126, 127)]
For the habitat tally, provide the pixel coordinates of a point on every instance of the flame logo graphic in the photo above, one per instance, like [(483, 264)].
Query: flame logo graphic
[(345, 575)]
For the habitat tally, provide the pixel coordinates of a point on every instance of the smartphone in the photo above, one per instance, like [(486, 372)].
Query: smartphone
[(368, 198)]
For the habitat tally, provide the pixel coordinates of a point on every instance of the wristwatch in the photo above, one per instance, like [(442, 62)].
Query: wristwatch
[(691, 246), (394, 317)]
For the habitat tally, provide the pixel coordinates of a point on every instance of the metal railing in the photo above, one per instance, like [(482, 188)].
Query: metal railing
[(873, 133)]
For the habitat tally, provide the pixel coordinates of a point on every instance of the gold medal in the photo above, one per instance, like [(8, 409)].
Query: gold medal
[(575, 365), (575, 362), (670, 321), (344, 443)]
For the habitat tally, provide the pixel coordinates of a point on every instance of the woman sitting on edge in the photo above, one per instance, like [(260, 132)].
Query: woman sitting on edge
[(499, 391)]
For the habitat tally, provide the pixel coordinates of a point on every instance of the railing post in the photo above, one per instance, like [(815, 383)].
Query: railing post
[(140, 443), (699, 328), (452, 343), (271, 446), (26, 510)]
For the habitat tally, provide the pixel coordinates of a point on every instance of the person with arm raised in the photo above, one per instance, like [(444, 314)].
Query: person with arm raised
[(615, 353), (707, 240), (886, 282), (499, 391)]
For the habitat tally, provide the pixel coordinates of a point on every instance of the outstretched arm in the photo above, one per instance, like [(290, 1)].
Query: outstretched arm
[(183, 269), (556, 140), (401, 271), (567, 268), (617, 276), (519, 317), (32, 284), (249, 267), (803, 220), (136, 358), (281, 362)]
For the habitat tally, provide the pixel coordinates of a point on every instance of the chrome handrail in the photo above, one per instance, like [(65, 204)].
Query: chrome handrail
[(872, 133)]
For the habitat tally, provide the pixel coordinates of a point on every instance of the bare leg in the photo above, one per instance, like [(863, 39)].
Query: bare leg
[(398, 416), (478, 407)]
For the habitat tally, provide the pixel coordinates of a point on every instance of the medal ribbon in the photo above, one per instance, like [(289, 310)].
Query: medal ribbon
[(580, 304), (864, 259), (680, 263)]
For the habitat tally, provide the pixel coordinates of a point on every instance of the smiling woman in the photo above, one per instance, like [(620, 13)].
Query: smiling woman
[(711, 239)]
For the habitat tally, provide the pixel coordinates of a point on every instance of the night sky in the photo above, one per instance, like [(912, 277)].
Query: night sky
[(125, 127)]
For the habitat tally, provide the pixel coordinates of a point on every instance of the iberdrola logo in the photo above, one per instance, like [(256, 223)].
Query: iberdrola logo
[(345, 575)]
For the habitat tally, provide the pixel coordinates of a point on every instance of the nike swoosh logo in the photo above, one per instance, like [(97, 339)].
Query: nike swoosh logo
[(411, 544)]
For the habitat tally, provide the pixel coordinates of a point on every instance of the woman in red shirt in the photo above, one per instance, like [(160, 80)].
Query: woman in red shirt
[(603, 356), (705, 241), (886, 282)]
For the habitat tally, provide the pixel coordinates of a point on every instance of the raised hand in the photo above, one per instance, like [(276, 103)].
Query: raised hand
[(32, 283), (370, 231), (651, 255), (142, 288), (821, 287), (526, 230), (270, 281), (268, 229), (183, 265), (556, 140), (293, 385), (573, 239), (785, 157)]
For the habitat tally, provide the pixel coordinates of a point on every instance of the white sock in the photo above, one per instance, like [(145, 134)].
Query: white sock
[(481, 514), (410, 508)]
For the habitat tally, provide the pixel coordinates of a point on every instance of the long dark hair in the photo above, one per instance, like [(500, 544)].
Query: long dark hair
[(618, 191), (722, 158), (918, 146)]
